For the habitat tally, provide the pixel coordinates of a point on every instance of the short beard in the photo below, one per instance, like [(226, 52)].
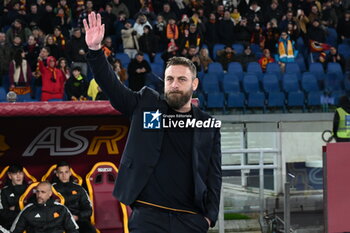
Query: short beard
[(177, 101)]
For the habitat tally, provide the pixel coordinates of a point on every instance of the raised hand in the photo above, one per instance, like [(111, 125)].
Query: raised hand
[(94, 31)]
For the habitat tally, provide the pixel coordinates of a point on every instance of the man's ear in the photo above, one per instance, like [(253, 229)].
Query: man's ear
[(195, 83)]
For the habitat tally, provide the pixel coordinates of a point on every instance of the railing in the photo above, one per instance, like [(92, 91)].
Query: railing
[(244, 166)]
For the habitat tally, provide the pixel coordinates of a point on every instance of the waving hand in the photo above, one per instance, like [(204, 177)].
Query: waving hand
[(94, 31)]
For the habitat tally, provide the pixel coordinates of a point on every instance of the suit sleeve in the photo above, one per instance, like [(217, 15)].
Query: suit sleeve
[(85, 205), (70, 226), (214, 181), (121, 98)]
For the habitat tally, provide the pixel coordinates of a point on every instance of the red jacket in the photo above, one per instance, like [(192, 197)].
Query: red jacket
[(53, 81)]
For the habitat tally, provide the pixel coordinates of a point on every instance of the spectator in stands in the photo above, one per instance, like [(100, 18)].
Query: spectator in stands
[(77, 85), (63, 21), (334, 56), (140, 23), (242, 32), (343, 27), (77, 50), (329, 16), (148, 43), (226, 30), (160, 27), (316, 32), (302, 22), (172, 51), (60, 41), (286, 19), (53, 80), (50, 42), (258, 36), (75, 196), (54, 217), (246, 57), (62, 64), (89, 5), (48, 19), (138, 69), (108, 49), (211, 34), (167, 13), (225, 56), (108, 18), (67, 13), (38, 35), (205, 59), (274, 11), (194, 57), (265, 59), (17, 29), (95, 92), (20, 74), (285, 50), (322, 58), (340, 126), (120, 71), (130, 40), (314, 14), (133, 6), (255, 14), (191, 37), (10, 195), (34, 15), (5, 58), (198, 22), (119, 7), (184, 24), (272, 35), (293, 31), (172, 30)]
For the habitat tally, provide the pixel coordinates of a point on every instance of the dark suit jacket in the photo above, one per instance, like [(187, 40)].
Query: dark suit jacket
[(143, 147)]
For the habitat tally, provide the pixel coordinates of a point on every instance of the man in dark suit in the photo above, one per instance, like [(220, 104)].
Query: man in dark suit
[(170, 172)]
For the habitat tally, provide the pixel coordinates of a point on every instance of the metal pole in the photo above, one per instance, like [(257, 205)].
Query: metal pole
[(261, 186), (287, 207), (221, 212)]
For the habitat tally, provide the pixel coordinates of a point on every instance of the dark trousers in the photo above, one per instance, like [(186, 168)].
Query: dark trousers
[(85, 226), (155, 220)]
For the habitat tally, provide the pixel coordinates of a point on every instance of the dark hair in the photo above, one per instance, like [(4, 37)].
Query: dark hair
[(78, 68), (62, 164), (184, 62), (18, 57), (14, 168)]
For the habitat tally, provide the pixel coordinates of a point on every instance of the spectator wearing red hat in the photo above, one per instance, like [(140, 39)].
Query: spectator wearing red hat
[(53, 80)]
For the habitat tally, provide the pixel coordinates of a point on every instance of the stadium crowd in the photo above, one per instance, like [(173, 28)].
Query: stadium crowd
[(42, 44)]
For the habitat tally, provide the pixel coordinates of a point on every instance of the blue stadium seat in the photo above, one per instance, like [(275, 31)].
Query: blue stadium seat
[(273, 67), (158, 69), (335, 68), (332, 82), (3, 95), (256, 100), (344, 49), (24, 98), (236, 68), (216, 100), (210, 83), (254, 67), (309, 82), (216, 48), (236, 100), (146, 58), (255, 48), (270, 83), (124, 58), (293, 67), (300, 60), (251, 83), (215, 67), (314, 98), (296, 99), (238, 48), (336, 96), (317, 69), (332, 37), (201, 99), (347, 84), (158, 58), (290, 83), (276, 99), (230, 83)]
